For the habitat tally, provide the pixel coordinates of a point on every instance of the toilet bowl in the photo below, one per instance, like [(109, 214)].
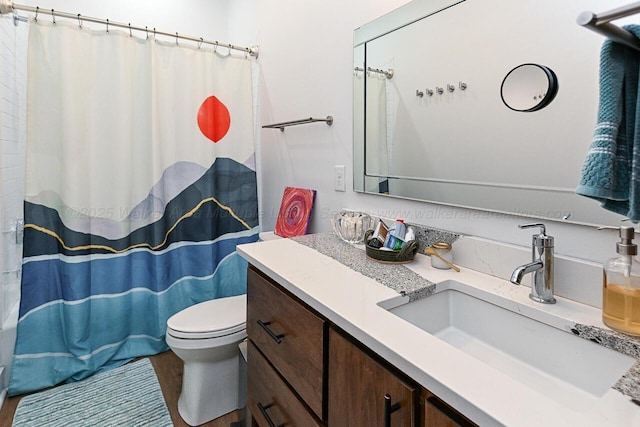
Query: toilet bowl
[(206, 337)]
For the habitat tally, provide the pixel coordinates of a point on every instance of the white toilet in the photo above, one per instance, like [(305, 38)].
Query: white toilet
[(206, 337)]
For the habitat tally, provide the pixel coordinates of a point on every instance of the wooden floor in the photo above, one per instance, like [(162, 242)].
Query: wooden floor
[(169, 372)]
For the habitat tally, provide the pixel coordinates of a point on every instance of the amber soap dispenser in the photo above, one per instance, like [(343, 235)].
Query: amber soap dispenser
[(621, 286)]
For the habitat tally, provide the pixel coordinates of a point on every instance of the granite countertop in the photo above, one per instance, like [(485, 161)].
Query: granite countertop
[(340, 282), (394, 276)]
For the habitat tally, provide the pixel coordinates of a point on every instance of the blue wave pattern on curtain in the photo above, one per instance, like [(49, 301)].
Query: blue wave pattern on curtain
[(139, 186)]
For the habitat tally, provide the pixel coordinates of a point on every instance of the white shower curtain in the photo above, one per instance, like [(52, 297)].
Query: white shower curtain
[(140, 181)]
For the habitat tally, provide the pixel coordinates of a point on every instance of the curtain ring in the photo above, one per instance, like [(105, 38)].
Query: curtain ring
[(35, 19), (146, 30), (200, 43), (229, 47), (79, 21), (176, 38), (107, 25), (154, 33), (246, 54), (130, 34), (53, 15), (215, 48)]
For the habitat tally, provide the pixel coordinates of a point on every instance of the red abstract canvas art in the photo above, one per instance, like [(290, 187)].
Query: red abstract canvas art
[(295, 211)]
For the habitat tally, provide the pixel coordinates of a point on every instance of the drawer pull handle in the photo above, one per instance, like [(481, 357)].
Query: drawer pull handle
[(263, 410), (276, 337), (389, 409)]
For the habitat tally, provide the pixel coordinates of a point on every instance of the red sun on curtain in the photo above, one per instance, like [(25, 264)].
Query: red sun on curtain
[(213, 119)]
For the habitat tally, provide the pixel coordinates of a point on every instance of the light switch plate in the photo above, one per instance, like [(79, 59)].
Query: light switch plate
[(339, 178)]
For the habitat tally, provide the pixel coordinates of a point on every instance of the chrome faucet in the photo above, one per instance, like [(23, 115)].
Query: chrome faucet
[(541, 267)]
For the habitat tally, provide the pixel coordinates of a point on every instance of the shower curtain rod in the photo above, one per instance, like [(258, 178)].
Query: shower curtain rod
[(600, 23), (253, 51)]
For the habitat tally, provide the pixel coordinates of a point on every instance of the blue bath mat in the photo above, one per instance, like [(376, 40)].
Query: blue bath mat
[(126, 396)]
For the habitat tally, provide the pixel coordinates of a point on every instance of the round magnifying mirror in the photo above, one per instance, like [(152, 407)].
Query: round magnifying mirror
[(529, 87)]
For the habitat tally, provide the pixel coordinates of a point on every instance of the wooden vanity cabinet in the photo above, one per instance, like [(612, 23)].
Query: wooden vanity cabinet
[(363, 392), (304, 372)]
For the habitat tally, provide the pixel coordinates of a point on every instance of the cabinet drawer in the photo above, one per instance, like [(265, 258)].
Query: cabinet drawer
[(289, 335), (270, 400)]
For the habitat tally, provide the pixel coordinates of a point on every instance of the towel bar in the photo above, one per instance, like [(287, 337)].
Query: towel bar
[(281, 126), (601, 24)]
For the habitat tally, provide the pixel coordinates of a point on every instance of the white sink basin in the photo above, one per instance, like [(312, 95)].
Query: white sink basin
[(543, 357)]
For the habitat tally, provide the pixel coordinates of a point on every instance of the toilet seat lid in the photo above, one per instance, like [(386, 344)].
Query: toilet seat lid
[(209, 319)]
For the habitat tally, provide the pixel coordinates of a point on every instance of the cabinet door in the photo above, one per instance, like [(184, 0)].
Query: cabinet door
[(360, 388), (438, 414)]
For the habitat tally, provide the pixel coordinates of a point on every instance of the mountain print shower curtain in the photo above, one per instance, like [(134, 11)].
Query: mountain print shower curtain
[(140, 182)]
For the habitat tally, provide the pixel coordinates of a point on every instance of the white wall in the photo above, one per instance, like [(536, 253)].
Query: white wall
[(306, 61)]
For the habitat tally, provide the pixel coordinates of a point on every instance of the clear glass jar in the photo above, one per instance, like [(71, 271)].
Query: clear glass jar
[(351, 226), (444, 250)]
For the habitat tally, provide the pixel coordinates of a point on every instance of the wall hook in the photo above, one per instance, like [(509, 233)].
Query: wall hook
[(419, 93), (439, 90), (462, 85), (429, 92), (451, 87)]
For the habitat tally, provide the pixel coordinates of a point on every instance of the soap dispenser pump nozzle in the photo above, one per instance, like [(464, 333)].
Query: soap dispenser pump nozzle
[(625, 246)]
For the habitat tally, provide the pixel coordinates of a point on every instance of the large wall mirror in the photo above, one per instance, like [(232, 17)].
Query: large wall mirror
[(430, 122)]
